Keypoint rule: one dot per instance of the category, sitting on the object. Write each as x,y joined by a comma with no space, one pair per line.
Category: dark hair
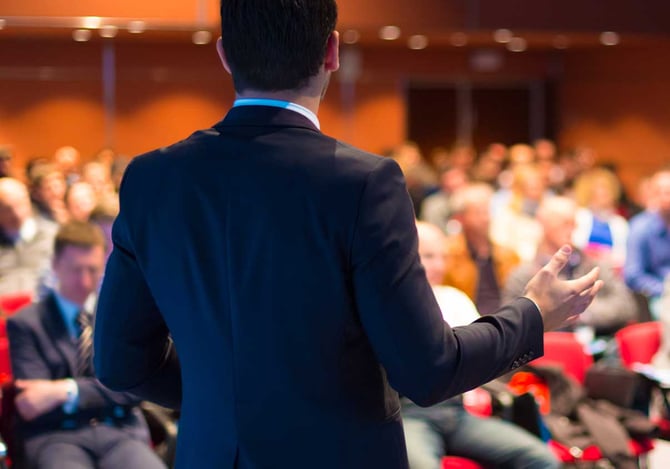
79,234
274,45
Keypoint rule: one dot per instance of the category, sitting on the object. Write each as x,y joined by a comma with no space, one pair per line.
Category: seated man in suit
65,416
447,428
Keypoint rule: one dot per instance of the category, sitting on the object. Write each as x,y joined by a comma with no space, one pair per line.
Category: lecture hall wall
613,99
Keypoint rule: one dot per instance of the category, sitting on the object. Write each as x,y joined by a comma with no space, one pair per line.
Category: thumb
558,260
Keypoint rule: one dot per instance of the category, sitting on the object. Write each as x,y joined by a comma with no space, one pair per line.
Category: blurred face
453,180
558,227
662,193
53,187
432,252
98,177
15,209
81,201
601,196
476,218
79,270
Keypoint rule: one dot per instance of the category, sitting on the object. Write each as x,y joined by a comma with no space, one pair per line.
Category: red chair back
455,462
638,342
10,304
562,349
5,364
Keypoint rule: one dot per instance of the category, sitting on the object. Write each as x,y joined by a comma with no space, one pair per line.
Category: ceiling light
201,37
458,39
417,42
91,22
517,44
609,38
389,33
561,42
108,31
502,36
81,35
351,36
136,26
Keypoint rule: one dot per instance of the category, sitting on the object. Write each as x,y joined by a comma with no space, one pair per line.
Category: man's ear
222,55
332,60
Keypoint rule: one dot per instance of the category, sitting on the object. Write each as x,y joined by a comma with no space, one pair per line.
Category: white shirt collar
281,104
28,230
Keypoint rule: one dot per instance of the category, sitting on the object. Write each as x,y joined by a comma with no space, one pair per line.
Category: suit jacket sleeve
132,348
424,358
28,363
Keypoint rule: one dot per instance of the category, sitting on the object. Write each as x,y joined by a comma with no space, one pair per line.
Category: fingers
585,282
20,384
558,260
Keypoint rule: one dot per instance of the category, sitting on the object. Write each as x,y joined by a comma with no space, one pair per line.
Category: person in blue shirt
648,257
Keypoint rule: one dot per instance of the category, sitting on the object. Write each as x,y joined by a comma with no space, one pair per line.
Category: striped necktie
85,344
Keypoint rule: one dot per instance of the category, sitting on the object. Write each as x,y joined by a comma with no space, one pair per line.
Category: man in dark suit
282,266
66,417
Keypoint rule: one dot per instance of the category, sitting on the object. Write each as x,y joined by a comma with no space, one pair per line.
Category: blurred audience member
490,164
514,225
436,208
613,307
601,233
5,161
26,242
545,156
104,215
105,156
47,191
475,265
447,428
80,200
462,156
118,168
99,177
420,177
67,419
648,255
67,160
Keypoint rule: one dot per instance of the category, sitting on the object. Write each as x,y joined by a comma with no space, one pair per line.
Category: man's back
280,286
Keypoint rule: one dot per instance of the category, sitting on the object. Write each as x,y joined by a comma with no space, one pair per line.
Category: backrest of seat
638,342
562,349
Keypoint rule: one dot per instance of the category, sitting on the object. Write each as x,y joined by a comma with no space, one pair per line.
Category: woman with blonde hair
601,232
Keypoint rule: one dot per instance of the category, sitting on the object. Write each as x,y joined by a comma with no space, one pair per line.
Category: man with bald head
613,306
26,243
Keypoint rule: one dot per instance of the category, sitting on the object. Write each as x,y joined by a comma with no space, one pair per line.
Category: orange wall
612,99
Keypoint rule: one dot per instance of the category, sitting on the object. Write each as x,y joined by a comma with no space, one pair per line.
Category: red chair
562,349
638,342
10,304
5,364
455,462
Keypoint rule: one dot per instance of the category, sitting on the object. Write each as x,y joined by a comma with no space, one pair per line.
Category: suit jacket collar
52,319
264,116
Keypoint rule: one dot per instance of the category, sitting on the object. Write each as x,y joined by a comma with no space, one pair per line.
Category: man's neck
309,102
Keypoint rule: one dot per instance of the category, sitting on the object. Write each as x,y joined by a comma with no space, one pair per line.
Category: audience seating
563,349
10,304
638,342
455,462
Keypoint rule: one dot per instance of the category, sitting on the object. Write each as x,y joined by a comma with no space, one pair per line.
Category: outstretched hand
560,300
